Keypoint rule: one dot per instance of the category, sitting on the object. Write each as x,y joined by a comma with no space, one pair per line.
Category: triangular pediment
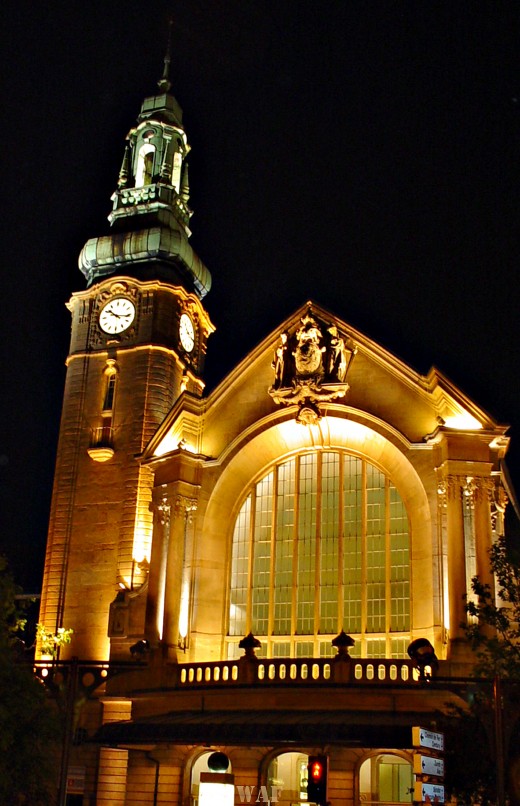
376,383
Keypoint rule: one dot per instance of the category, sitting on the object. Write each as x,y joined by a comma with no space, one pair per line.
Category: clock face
117,315
186,332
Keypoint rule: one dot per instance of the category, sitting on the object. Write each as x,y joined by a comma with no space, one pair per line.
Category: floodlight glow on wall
216,789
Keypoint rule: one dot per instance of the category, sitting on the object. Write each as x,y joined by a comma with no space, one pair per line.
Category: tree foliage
495,634
51,642
29,721
470,763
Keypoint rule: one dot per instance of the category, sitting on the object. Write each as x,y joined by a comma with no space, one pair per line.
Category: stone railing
247,670
296,671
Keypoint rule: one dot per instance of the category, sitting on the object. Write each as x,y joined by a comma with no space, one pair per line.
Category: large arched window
321,543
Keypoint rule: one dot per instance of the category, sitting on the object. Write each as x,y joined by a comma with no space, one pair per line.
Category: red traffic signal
317,779
316,770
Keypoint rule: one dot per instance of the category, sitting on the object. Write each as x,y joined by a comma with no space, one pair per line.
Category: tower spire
164,83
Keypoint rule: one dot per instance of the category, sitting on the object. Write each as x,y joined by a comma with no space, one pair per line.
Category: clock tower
138,342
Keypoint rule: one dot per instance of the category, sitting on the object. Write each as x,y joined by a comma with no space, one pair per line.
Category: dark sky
362,154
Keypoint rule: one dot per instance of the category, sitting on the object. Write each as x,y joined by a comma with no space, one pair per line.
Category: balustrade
255,671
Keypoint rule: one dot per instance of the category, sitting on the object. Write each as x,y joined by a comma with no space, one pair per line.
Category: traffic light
317,780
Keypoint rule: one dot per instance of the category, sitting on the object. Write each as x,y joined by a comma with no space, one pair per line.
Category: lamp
216,789
424,657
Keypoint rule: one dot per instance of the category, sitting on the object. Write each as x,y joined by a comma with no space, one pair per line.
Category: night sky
362,154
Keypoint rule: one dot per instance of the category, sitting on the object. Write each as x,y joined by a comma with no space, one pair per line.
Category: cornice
145,286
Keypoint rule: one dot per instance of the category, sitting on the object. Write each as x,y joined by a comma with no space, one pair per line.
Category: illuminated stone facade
322,486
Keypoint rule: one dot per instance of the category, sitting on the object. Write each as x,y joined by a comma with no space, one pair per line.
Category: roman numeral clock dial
116,315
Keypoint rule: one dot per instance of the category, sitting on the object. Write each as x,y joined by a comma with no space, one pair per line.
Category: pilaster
464,492
158,567
113,763
183,508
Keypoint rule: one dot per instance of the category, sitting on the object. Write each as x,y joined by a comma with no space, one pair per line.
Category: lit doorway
385,779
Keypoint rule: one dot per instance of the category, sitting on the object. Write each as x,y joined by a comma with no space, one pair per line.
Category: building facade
245,571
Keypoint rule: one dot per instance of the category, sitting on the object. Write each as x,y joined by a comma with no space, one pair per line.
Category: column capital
463,487
184,506
163,509
499,500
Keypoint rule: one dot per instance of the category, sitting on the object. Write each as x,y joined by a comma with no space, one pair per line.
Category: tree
494,636
30,730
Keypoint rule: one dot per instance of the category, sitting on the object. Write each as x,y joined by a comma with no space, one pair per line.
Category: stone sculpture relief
310,367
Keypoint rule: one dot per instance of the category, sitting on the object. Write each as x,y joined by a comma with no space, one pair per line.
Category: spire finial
164,83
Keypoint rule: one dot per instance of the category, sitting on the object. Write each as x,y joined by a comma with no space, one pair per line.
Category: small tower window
176,173
145,160
103,435
108,403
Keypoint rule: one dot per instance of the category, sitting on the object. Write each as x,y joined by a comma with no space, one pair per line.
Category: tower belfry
138,343
150,214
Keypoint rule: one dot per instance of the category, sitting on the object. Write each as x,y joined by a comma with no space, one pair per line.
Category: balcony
263,673
263,701
101,447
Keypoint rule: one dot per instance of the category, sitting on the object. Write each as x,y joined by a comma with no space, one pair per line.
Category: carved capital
468,489
163,512
184,507
442,492
499,501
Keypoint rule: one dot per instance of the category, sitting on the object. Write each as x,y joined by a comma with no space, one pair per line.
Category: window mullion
341,530
272,558
251,561
317,574
294,597
364,580
388,570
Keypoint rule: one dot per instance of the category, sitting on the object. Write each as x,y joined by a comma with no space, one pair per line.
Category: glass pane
306,545
329,545
262,555
376,647
399,564
281,650
399,647
327,650
239,571
376,551
352,519
283,575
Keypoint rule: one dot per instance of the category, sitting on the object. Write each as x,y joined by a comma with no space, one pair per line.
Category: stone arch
250,458
374,754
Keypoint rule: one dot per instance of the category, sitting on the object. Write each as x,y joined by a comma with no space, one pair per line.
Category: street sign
428,793
76,780
428,765
427,738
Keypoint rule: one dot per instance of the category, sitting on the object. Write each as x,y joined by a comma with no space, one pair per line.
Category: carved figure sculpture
338,356
308,353
310,368
278,363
